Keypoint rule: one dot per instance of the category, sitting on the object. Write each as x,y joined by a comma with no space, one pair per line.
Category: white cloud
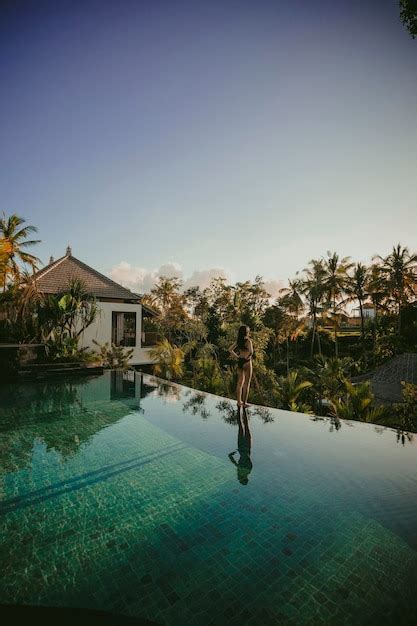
170,270
273,287
203,278
141,279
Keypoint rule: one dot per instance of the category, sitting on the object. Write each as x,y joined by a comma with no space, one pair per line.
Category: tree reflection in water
264,413
335,422
403,436
227,409
62,414
196,405
59,417
166,390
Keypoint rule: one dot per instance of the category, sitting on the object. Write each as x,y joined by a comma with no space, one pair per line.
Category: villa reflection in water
127,485
64,414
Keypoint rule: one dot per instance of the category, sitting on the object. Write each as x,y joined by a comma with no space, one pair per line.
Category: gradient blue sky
249,136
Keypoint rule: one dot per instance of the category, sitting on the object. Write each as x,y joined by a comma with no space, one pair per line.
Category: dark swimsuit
242,360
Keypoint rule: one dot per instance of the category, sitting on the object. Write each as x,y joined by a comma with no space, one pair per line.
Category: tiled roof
56,276
386,379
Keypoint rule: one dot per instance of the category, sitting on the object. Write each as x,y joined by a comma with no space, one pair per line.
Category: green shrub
114,357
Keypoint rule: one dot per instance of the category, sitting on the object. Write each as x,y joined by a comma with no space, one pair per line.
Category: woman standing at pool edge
242,350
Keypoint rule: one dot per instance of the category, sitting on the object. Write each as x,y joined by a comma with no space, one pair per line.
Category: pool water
126,493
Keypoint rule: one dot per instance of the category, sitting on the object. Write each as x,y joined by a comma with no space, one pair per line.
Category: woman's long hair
241,337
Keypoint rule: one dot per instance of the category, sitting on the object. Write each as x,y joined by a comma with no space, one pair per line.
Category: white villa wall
100,329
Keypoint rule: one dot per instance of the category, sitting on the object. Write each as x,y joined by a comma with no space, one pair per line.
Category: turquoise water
128,494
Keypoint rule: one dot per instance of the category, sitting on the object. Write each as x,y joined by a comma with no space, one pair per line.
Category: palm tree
328,377
169,360
165,292
292,302
357,404
13,243
4,255
356,289
377,291
290,389
312,287
23,307
291,298
334,285
399,271
275,318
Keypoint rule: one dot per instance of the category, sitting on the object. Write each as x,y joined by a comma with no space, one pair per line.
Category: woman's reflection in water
244,443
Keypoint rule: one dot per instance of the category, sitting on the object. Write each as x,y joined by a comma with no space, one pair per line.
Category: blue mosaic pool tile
139,522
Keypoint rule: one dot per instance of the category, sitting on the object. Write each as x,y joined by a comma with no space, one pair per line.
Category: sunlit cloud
273,287
203,278
141,279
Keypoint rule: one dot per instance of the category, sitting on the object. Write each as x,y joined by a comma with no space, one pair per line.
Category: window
123,329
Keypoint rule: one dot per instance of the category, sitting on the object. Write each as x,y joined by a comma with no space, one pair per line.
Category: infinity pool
132,495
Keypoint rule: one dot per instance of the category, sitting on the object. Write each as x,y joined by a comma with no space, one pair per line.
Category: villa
368,310
121,312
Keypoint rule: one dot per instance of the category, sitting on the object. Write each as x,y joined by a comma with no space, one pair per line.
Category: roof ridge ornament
69,251
51,260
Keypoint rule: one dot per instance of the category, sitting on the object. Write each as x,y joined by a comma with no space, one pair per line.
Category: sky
197,139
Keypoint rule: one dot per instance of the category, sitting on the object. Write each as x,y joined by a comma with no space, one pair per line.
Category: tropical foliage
27,316
113,357
169,360
356,403
406,411
335,319
62,318
307,344
13,244
408,15
290,391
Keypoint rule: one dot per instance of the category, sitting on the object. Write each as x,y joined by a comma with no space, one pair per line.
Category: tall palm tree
312,287
291,302
291,298
4,269
377,292
13,237
334,285
399,271
23,312
165,292
356,289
